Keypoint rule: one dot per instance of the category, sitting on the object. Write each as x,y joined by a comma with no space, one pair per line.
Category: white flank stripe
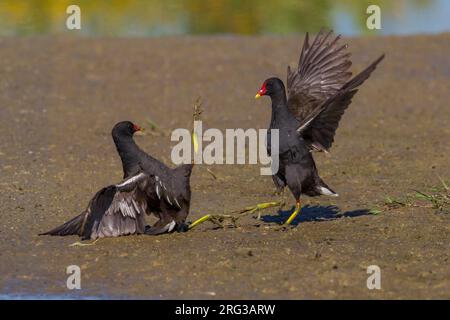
131,180
157,192
304,126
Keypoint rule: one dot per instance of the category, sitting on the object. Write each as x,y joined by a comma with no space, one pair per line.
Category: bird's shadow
313,213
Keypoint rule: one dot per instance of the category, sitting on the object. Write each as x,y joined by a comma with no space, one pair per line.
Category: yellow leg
298,207
81,244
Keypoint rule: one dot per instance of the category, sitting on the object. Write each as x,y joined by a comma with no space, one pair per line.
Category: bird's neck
129,154
279,98
279,107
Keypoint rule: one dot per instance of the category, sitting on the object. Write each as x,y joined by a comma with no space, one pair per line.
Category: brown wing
118,210
322,71
319,127
114,211
127,205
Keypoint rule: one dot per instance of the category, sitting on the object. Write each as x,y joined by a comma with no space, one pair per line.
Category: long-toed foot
259,207
233,216
281,195
278,192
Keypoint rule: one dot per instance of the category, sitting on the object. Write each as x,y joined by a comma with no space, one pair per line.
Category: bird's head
125,129
271,87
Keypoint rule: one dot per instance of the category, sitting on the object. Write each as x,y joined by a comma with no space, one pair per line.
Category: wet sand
60,97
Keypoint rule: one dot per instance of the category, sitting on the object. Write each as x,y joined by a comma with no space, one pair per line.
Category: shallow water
176,17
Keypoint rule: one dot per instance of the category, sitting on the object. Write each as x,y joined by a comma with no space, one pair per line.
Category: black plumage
318,92
149,187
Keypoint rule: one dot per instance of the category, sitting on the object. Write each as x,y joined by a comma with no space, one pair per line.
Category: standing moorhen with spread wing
149,186
318,93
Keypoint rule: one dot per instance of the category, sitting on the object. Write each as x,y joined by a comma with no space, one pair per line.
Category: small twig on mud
436,198
197,109
212,174
375,211
393,203
153,129
446,187
439,200
196,117
153,126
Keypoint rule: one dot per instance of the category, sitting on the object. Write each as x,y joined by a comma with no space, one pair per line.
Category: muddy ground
60,97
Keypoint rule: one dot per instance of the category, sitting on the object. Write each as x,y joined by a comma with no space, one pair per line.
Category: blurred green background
246,17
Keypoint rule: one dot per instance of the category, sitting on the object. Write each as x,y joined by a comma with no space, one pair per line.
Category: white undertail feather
327,192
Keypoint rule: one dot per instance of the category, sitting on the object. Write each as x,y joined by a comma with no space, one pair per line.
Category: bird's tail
184,171
324,189
71,227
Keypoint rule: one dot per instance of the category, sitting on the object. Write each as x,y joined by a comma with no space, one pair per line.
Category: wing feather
118,209
320,89
319,127
166,194
322,70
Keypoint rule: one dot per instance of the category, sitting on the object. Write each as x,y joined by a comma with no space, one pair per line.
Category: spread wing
125,204
323,69
114,211
319,127
319,90
119,209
